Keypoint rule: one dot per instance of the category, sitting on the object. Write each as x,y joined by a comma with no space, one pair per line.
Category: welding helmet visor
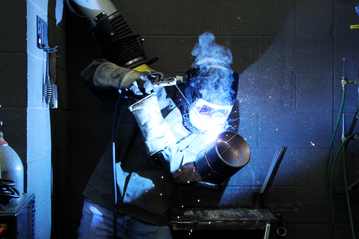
205,115
205,107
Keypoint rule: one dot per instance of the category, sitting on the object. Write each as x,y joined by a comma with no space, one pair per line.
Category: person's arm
104,74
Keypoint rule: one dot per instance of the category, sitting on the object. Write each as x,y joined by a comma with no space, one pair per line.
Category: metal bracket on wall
41,29
48,88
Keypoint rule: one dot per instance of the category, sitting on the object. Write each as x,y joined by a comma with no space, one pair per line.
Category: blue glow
209,117
215,77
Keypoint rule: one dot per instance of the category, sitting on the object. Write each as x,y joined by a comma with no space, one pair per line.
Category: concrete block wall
25,115
289,58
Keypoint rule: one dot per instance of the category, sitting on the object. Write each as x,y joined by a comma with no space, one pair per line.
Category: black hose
113,139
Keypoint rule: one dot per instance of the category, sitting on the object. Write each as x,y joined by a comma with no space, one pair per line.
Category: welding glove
147,86
104,74
159,139
154,128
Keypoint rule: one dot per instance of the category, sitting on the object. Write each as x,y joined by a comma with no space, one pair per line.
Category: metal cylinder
11,165
222,158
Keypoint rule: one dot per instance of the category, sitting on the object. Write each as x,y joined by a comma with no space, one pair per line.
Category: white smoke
215,79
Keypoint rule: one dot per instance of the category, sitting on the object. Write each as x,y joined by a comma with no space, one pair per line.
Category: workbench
223,219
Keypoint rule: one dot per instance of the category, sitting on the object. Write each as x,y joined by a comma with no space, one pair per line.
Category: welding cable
347,193
331,182
114,122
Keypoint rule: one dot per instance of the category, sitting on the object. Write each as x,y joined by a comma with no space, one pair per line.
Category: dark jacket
146,185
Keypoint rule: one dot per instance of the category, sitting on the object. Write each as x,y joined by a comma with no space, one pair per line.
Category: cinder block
255,172
237,197
351,168
39,179
345,231
294,129
346,47
345,15
308,231
350,121
90,129
13,26
341,212
14,129
310,167
265,91
272,51
256,18
41,147
134,13
13,80
168,50
61,172
36,82
245,51
184,18
43,219
248,127
59,134
307,88
313,54
300,204
318,15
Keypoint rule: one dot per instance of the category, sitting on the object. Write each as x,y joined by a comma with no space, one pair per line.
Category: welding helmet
203,105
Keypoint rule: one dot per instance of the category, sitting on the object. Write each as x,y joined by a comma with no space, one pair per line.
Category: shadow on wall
268,52
260,36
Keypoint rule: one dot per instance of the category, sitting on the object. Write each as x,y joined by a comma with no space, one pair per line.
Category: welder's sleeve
160,140
104,74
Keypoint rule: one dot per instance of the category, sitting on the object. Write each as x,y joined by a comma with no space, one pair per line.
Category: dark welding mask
204,106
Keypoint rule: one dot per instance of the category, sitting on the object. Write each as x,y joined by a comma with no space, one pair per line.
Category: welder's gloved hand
147,86
104,74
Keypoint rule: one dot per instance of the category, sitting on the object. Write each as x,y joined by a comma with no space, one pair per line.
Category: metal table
223,219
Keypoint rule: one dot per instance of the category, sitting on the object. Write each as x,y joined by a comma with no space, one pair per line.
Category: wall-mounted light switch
42,40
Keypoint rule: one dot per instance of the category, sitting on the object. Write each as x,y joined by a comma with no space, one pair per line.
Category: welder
158,131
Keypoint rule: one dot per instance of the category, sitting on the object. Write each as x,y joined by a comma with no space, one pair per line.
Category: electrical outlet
41,28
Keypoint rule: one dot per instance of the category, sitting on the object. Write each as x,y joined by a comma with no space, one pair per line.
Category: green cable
328,158
347,193
332,186
334,132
